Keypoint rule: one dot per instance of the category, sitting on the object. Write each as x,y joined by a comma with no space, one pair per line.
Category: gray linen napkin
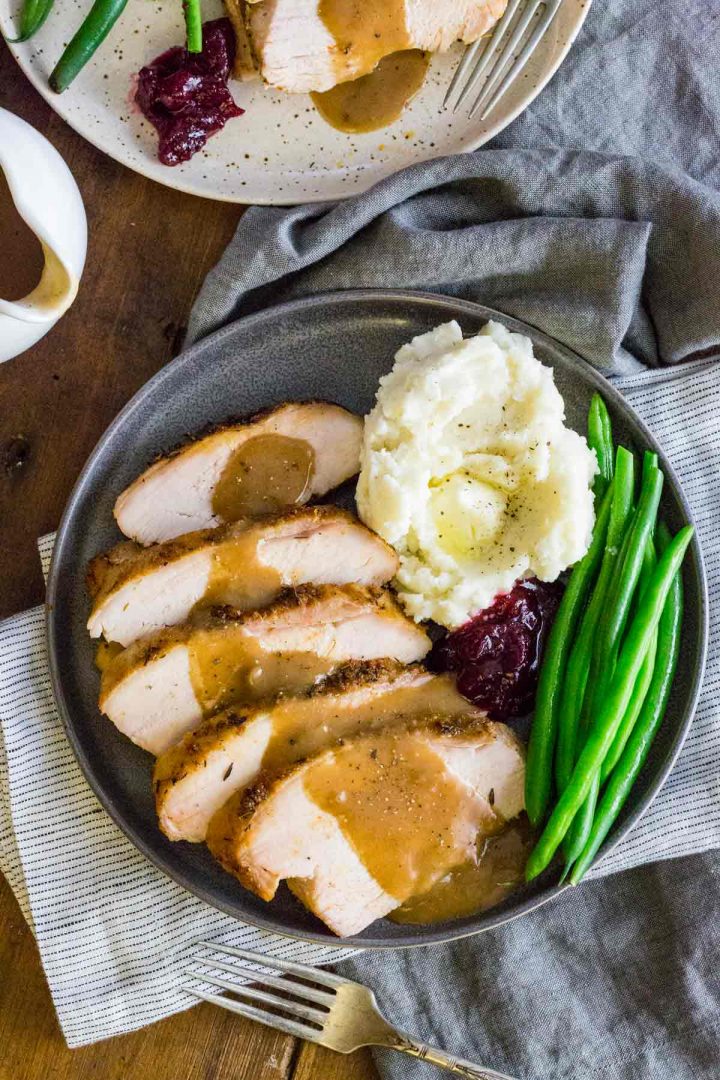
595,217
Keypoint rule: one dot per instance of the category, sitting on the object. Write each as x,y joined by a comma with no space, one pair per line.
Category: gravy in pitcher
21,254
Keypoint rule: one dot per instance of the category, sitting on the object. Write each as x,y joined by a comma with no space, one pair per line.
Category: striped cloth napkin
115,934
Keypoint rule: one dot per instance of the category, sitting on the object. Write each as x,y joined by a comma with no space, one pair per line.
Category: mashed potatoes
469,472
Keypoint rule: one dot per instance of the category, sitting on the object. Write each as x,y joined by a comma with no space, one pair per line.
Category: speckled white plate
280,151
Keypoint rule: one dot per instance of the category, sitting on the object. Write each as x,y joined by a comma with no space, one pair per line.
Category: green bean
193,25
571,695
620,515
578,726
623,487
643,683
614,704
579,830
538,770
648,565
600,441
632,713
578,665
648,723
611,625
97,25
650,461
615,614
33,15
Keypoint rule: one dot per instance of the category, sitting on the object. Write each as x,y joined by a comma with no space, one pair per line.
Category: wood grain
149,250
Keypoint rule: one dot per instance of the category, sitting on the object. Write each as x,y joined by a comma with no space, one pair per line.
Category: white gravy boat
47,199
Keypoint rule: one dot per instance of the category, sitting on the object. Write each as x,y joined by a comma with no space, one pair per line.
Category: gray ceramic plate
334,347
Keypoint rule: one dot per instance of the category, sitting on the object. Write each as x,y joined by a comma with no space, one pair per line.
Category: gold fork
316,1005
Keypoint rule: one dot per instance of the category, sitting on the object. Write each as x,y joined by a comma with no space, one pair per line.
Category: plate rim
363,297
53,100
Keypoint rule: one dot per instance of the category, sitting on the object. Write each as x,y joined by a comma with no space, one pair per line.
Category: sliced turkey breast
227,751
139,590
359,829
162,685
306,45
279,458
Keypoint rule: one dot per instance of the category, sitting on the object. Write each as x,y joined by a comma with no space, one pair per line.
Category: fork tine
518,32
318,975
280,1023
306,1012
489,52
512,73
465,61
308,993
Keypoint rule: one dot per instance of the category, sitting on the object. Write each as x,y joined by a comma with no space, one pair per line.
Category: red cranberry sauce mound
496,655
185,96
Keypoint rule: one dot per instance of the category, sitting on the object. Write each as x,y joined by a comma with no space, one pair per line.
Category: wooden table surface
149,250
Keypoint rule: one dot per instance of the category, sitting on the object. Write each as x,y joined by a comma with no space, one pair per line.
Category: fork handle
407,1044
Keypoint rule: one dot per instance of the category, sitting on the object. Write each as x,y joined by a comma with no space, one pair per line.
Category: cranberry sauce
496,655
185,96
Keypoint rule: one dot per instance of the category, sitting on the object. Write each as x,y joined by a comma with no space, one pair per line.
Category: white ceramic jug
47,199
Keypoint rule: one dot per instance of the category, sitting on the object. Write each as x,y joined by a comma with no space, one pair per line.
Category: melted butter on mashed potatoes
470,473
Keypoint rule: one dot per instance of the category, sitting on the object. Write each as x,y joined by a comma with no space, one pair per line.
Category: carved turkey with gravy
161,686
359,829
137,591
312,45
227,751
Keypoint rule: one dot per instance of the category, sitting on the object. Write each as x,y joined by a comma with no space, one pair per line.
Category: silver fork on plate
315,1005
500,56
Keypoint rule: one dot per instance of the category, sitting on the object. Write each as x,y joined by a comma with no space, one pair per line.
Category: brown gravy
21,254
407,818
238,577
302,727
364,31
476,885
375,100
227,666
372,40
266,474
